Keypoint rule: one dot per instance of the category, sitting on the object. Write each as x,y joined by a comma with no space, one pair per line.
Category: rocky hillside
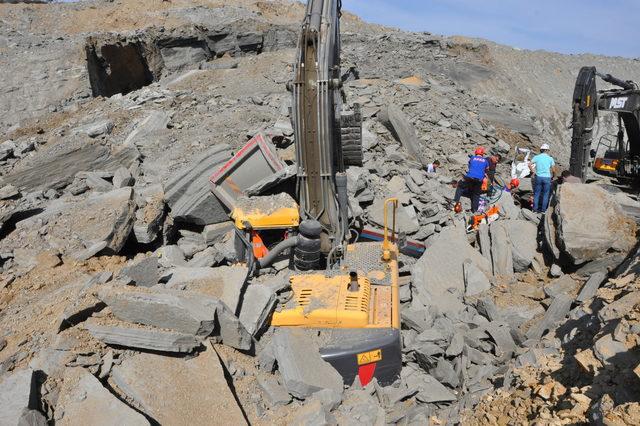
119,281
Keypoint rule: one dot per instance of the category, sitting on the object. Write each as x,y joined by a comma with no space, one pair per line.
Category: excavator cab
622,160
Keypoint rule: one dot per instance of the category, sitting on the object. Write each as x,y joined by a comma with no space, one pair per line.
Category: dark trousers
472,188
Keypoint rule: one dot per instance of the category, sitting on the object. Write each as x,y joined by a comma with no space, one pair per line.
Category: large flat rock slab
84,401
175,390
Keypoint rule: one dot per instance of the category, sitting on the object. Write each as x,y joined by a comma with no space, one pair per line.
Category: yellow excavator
345,291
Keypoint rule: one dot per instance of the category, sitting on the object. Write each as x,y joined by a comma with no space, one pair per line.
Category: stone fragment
404,222
273,392
85,303
148,128
97,183
257,304
171,256
620,307
162,341
303,370
591,223
18,395
555,271
445,373
416,318
438,276
189,314
587,361
195,389
501,335
122,177
475,280
225,282
90,251
215,233
523,238
83,400
507,206
456,346
231,330
606,348
429,389
143,273
484,241
97,128
8,191
188,193
562,285
501,250
557,311
398,123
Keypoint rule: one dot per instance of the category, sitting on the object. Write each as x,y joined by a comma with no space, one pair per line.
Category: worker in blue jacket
472,182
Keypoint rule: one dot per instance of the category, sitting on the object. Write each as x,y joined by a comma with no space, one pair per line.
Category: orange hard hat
515,182
479,150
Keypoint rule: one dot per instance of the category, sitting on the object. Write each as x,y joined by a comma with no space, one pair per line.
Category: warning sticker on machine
369,357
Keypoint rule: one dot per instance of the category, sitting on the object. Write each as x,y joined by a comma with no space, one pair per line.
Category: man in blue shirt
543,165
472,182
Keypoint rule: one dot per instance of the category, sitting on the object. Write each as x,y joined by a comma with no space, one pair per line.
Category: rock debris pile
122,299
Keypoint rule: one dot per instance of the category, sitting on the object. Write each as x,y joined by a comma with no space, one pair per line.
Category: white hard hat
545,146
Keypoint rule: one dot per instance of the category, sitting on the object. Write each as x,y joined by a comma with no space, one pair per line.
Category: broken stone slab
404,222
84,400
303,370
257,305
143,273
501,249
122,177
189,314
562,285
416,317
607,263
224,282
445,373
8,191
215,233
550,233
557,311
195,389
56,168
484,241
97,128
18,396
148,128
487,307
456,346
273,392
591,287
430,390
591,223
507,206
172,256
620,307
230,329
398,123
90,251
154,340
523,238
438,276
97,183
188,194
501,335
150,214
475,281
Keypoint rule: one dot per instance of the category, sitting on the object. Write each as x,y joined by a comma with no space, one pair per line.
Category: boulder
398,123
523,238
189,314
439,276
501,249
188,193
139,338
590,222
83,400
303,370
171,389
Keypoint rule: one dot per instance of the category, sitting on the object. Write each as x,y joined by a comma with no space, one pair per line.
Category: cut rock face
590,223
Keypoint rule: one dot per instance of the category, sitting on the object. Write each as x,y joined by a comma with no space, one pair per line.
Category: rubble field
122,300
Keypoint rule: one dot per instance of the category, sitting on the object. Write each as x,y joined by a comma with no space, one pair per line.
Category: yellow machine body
259,216
321,301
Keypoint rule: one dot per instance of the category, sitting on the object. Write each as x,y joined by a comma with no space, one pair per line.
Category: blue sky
607,27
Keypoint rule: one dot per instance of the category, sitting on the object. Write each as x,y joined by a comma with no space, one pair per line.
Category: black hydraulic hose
251,264
277,250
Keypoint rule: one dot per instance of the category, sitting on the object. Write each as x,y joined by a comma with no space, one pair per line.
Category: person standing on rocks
543,165
472,181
